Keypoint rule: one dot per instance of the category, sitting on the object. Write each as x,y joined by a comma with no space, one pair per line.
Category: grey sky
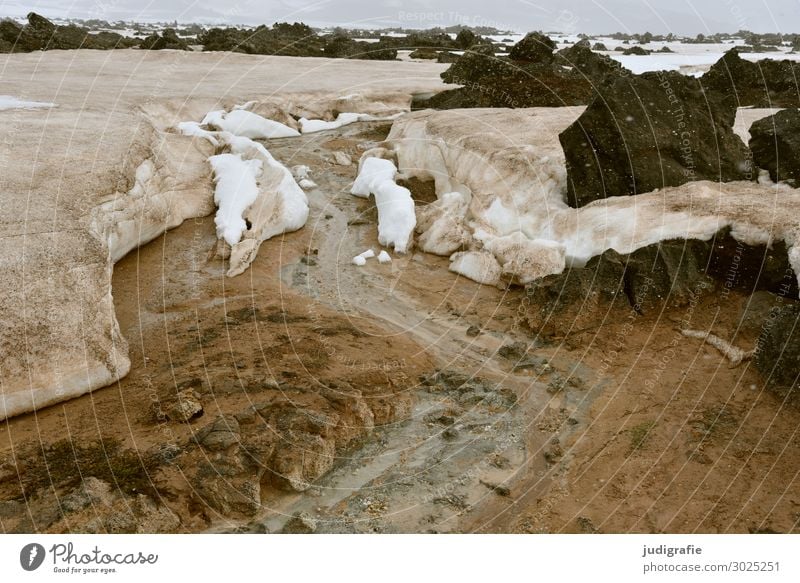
678,16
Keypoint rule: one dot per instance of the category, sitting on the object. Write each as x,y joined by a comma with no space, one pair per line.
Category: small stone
342,159
300,523
187,408
498,489
219,435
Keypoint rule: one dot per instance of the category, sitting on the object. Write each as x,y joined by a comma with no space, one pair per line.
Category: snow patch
247,124
384,257
396,217
194,129
236,189
441,225
10,102
479,266
309,126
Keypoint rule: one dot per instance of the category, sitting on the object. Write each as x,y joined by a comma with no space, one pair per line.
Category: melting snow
396,218
9,102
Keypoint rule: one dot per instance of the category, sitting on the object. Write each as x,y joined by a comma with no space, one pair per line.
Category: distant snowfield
689,59
9,102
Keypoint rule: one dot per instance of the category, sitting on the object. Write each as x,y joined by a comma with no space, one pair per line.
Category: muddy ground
311,395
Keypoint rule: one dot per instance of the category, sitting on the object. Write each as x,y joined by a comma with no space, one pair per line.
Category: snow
441,224
507,168
308,126
359,260
479,266
192,128
384,257
396,217
241,122
688,58
368,254
300,171
257,196
10,102
236,190
307,184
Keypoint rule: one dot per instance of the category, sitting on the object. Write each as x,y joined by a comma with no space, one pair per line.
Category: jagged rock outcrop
775,143
648,132
531,76
39,34
584,60
535,47
654,278
766,83
168,39
777,353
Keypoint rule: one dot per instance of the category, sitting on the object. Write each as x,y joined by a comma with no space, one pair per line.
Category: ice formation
10,102
257,197
384,257
509,220
241,122
194,129
396,217
236,189
308,126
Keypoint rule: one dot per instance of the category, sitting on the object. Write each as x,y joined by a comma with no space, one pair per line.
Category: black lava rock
775,143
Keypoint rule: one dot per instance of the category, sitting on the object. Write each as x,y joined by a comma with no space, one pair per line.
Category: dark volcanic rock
477,63
775,143
751,268
534,48
766,83
167,40
636,51
491,81
447,57
593,65
647,132
667,274
424,54
10,32
532,76
41,34
778,348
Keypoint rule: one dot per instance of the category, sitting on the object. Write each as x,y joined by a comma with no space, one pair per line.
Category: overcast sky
590,16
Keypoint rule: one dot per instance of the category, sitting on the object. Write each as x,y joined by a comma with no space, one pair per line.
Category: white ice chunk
359,260
308,126
236,189
441,225
247,124
384,257
396,217
479,266
192,128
